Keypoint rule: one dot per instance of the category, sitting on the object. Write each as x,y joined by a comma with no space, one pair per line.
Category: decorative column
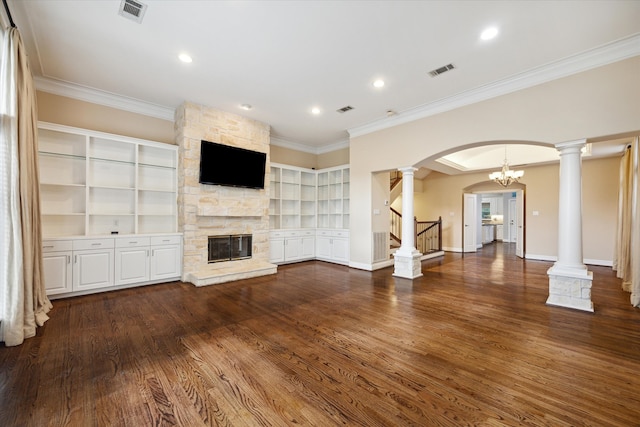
407,258
569,279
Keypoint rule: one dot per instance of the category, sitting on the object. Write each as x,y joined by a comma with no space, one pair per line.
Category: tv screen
231,166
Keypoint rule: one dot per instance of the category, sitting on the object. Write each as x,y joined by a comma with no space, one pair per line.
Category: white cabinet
499,232
291,245
92,264
56,262
303,201
488,233
86,265
93,183
166,257
132,260
333,246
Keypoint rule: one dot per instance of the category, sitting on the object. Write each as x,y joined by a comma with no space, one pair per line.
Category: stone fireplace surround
210,210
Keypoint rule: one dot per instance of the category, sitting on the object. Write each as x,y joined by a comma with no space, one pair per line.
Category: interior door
469,209
513,229
520,226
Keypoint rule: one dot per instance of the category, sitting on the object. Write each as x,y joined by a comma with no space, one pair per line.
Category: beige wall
302,159
72,112
442,196
291,157
595,103
333,158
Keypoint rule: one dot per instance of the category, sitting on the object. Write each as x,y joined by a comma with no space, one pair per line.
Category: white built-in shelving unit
93,183
108,210
309,214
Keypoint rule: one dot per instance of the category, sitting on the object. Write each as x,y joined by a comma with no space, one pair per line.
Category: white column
569,279
407,258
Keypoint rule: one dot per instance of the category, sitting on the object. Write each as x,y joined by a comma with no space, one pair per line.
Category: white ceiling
284,57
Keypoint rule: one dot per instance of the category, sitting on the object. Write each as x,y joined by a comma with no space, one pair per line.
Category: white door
520,223
165,262
292,248
132,265
57,272
513,229
323,247
340,249
92,269
469,222
276,250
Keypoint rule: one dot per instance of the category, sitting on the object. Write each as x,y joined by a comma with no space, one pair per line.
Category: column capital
578,143
407,169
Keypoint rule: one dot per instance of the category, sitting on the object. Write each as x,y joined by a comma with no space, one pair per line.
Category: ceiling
286,57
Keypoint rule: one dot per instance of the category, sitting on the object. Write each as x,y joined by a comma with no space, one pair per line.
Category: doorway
494,216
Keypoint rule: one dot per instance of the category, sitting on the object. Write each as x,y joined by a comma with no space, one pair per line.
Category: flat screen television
231,166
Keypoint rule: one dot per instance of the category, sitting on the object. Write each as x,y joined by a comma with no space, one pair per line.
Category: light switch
536,213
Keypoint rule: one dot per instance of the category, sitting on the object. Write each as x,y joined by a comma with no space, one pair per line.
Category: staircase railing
396,226
428,234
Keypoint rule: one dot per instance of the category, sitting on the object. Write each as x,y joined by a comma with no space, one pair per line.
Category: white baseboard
452,249
553,258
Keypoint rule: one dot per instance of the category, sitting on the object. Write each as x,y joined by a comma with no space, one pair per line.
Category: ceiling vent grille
444,69
344,109
133,10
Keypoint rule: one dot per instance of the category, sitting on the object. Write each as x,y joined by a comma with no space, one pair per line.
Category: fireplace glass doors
229,248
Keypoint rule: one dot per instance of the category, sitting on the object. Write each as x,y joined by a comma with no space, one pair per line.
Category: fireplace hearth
229,247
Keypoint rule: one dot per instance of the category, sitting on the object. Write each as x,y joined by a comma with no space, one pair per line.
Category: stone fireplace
206,211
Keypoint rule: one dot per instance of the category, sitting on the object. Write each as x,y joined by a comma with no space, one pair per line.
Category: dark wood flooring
470,343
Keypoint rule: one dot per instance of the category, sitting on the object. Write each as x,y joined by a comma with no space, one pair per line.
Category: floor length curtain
23,301
626,260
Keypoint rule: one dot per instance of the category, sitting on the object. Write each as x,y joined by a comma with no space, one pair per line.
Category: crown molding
308,149
108,99
603,55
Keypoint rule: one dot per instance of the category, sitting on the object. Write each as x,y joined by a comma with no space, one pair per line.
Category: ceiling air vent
344,109
133,10
444,69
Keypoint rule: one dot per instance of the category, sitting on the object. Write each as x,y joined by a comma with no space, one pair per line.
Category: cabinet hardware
68,259
47,247
75,259
96,244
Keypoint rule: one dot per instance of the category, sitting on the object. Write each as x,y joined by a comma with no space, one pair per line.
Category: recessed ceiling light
378,83
315,111
185,58
489,33
246,107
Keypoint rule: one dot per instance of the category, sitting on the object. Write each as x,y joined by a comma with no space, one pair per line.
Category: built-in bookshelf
292,202
93,183
333,198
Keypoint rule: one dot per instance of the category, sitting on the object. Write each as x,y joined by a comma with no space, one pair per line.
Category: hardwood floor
470,343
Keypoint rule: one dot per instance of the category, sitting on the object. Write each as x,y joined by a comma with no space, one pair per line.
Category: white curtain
23,301
626,260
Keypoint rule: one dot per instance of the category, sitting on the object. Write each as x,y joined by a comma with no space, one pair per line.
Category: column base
407,265
570,288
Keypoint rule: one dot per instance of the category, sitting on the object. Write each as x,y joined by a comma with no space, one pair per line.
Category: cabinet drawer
81,245
165,240
132,242
56,245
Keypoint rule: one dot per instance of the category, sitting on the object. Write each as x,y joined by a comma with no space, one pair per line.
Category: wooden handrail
428,234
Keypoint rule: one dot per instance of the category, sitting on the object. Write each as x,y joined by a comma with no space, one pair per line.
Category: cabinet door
308,247
57,272
276,250
323,247
292,248
340,250
132,265
92,269
165,262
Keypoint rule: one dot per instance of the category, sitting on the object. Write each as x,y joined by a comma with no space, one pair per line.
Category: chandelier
506,176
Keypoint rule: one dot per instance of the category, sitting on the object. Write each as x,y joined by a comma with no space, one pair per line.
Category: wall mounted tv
231,166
